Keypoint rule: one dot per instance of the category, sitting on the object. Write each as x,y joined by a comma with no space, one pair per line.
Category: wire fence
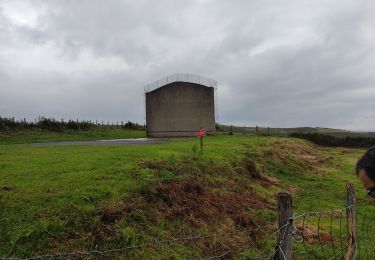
335,233
181,77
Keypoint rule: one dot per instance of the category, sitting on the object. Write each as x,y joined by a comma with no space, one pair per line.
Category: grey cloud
285,63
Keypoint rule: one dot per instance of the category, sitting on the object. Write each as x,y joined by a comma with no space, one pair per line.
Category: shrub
134,126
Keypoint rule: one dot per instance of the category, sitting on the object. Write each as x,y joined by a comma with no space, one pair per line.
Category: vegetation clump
333,141
51,124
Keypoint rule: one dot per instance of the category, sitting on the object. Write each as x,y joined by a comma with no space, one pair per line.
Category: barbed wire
331,247
218,256
331,233
117,250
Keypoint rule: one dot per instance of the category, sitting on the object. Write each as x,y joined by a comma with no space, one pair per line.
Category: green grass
59,195
34,136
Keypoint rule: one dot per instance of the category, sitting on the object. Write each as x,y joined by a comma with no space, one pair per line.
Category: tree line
51,124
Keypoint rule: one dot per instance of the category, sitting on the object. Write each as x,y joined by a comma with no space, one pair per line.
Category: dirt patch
194,197
50,190
109,214
196,208
209,193
196,205
311,234
7,187
251,168
154,165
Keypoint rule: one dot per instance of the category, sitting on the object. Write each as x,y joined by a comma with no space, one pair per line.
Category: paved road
118,142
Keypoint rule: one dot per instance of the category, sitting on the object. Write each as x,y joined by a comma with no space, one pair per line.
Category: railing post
284,235
350,215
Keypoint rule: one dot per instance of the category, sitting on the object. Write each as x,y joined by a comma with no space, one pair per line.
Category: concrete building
179,105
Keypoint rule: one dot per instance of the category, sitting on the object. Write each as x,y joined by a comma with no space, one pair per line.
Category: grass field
97,133
82,198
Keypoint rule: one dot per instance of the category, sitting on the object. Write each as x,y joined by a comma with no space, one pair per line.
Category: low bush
134,126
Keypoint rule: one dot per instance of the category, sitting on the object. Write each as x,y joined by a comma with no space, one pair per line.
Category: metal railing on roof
181,77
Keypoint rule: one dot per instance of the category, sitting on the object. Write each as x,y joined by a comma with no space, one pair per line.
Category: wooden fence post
284,236
350,214
268,131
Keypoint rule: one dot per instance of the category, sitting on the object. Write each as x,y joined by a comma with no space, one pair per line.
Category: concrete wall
180,109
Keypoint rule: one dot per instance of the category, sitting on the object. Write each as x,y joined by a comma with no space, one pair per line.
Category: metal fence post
284,236
350,214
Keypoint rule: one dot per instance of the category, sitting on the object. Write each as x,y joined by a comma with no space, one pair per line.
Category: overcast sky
278,63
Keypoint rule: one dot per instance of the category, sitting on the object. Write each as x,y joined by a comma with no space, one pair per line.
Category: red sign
201,133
